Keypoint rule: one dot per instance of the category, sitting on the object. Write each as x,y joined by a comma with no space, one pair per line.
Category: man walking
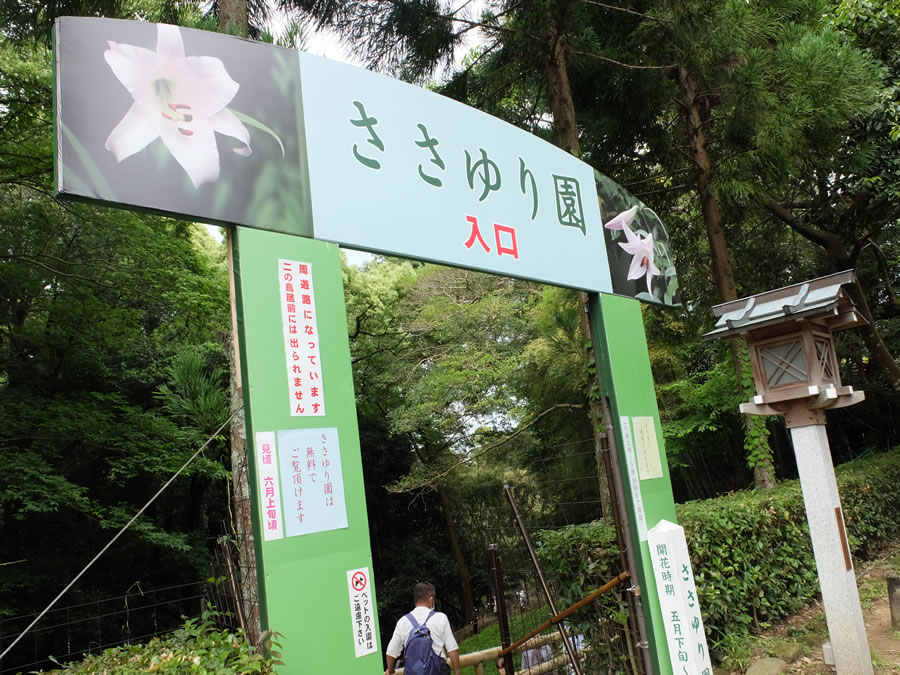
442,641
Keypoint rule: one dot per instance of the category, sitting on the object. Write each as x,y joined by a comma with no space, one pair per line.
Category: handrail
566,612
493,653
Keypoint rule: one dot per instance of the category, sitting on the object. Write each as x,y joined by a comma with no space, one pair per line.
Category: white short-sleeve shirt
442,640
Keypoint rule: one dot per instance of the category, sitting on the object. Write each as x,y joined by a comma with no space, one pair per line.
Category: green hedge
751,550
751,553
197,647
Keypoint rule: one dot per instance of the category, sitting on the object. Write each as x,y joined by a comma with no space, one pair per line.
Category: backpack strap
412,620
426,618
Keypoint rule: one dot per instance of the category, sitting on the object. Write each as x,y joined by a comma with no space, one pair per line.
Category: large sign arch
304,153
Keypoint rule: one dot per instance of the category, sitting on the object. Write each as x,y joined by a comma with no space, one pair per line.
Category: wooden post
894,598
502,616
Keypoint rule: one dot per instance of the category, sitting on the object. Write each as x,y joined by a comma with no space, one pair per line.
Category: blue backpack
418,656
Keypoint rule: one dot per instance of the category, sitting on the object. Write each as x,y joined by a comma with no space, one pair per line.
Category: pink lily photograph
637,246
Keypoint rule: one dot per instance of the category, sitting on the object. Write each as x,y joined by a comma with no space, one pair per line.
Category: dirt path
808,628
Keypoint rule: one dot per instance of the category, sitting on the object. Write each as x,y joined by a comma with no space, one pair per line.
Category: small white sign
649,465
634,481
301,339
269,492
678,600
313,481
362,611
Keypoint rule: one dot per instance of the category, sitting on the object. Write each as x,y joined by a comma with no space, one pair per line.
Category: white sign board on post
301,339
313,481
269,492
362,618
678,600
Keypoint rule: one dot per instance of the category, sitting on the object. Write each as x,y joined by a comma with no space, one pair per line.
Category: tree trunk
241,505
233,17
872,337
723,271
461,567
563,109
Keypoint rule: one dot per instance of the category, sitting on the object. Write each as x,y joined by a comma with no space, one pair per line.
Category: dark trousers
445,668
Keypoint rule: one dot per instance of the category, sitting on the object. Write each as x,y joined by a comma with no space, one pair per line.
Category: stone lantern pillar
789,336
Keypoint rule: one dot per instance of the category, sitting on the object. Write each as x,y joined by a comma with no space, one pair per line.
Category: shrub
577,560
752,553
197,647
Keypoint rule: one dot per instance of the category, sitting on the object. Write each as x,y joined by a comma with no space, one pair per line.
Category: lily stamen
186,132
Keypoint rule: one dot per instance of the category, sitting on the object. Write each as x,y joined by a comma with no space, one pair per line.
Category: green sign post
621,347
217,129
312,535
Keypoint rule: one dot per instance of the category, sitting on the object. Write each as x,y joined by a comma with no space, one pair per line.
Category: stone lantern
788,334
789,338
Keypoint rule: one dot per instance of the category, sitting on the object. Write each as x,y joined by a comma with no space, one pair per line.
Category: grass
488,637
869,591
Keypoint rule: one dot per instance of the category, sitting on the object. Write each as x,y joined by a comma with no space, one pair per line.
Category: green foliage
196,647
489,637
751,550
195,394
95,307
577,560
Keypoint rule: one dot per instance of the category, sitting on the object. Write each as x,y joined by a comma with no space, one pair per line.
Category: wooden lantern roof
821,300
788,335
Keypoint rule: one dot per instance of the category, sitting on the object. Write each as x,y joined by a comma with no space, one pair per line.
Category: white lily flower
641,250
177,98
623,219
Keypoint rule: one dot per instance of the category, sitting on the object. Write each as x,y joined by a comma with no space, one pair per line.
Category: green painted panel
304,586
621,346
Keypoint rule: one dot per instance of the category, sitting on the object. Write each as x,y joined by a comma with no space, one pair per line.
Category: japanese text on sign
269,492
633,480
483,176
362,615
399,171
678,601
649,465
312,479
301,339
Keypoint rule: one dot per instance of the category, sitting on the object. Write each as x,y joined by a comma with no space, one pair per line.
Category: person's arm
394,649
454,660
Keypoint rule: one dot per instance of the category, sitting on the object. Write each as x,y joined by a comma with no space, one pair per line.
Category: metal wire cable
118,534
67,608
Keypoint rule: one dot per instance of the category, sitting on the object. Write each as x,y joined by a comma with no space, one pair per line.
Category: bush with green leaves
751,550
577,560
197,647
751,553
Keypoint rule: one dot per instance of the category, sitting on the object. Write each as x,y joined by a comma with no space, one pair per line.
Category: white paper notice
633,479
313,483
362,617
647,448
269,493
301,338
